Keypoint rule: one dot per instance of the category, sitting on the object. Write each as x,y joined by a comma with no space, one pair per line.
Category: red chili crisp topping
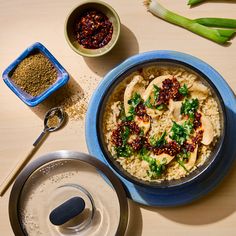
189,146
195,140
137,143
170,90
93,29
198,138
141,112
197,120
116,137
172,148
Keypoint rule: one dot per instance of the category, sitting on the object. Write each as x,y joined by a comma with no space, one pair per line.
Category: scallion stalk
215,35
217,22
229,33
194,2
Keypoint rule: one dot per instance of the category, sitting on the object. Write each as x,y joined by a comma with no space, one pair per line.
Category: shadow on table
219,203
215,206
66,96
126,46
135,224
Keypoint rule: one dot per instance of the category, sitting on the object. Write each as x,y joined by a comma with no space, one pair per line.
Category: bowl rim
187,194
62,78
202,170
134,61
92,2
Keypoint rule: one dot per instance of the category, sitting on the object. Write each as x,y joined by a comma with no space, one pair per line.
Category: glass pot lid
63,193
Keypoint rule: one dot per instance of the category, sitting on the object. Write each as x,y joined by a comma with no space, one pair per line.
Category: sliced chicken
149,93
135,86
163,158
199,91
144,125
192,159
208,130
175,110
158,82
154,113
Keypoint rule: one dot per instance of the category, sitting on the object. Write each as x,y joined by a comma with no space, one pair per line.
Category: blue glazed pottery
202,182
31,101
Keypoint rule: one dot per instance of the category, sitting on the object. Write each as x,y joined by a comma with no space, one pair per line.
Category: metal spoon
55,113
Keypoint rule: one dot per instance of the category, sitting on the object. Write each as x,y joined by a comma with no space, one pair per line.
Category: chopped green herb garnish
181,163
125,135
159,142
132,110
152,141
161,107
141,132
183,90
144,154
156,95
189,106
156,170
188,127
129,118
122,113
123,116
148,103
135,100
124,151
180,133
156,92
183,155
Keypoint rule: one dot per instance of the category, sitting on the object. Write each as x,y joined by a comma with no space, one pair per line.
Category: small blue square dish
62,76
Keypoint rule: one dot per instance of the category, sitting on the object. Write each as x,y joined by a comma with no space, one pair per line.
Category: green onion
181,163
217,22
227,32
148,103
189,106
124,151
161,107
215,35
125,135
183,90
180,133
158,142
133,102
184,155
156,92
194,2
155,169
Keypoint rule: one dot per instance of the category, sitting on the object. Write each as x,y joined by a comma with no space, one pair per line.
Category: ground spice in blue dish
34,74
93,29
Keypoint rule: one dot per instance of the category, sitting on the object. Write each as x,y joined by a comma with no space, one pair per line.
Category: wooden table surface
25,22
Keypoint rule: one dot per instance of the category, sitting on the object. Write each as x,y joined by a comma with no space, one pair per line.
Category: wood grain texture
25,22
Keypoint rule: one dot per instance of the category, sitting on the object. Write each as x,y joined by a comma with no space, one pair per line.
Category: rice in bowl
161,123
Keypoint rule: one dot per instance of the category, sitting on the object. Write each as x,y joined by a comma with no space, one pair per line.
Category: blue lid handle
67,211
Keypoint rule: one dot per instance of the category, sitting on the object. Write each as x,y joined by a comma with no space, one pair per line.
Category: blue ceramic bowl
31,101
186,189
